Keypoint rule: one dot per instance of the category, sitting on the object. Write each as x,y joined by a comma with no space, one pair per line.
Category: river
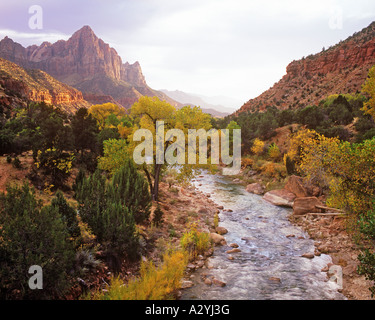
269,265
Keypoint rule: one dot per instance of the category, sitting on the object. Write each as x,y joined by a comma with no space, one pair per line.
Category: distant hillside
18,85
184,98
86,63
342,68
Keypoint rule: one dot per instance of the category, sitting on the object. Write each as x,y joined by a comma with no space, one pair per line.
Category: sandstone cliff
18,85
87,63
342,68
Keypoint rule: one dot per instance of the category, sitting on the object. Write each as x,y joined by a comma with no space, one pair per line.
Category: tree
101,112
149,111
258,146
68,214
109,209
132,191
32,235
84,131
369,88
56,163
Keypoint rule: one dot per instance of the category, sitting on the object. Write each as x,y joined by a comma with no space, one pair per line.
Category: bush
289,165
32,235
17,163
274,152
158,217
132,191
108,209
153,284
195,242
257,147
68,214
367,256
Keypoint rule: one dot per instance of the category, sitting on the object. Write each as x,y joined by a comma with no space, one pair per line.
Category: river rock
255,188
186,284
280,197
208,281
220,207
308,255
221,230
275,279
234,250
295,185
217,239
218,282
191,266
234,245
306,205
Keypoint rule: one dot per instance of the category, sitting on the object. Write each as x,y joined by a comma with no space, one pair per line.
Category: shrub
68,214
246,162
17,163
289,165
32,235
257,147
153,283
367,256
274,152
55,163
195,242
158,217
132,191
111,222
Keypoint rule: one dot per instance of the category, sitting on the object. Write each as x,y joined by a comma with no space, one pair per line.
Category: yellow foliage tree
369,88
257,147
102,111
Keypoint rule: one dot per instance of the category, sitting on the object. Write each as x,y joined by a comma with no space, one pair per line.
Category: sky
231,48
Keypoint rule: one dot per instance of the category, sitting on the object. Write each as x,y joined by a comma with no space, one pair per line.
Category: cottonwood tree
149,112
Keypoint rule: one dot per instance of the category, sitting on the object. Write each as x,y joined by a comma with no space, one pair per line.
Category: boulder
217,239
255,188
186,284
218,282
280,197
221,230
306,205
295,185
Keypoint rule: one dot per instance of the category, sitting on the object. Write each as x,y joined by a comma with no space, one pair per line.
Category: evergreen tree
109,216
132,191
32,235
68,214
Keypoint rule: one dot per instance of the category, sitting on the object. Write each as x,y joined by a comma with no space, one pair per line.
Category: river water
269,265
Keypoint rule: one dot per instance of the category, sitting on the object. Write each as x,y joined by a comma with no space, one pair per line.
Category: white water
260,230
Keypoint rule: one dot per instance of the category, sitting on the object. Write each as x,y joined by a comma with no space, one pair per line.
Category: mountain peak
84,31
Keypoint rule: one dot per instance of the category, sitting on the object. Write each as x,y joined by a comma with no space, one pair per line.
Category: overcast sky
233,48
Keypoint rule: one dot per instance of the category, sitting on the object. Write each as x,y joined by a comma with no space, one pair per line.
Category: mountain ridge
18,85
86,63
341,68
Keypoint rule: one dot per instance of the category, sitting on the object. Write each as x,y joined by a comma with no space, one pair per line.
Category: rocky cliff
18,85
342,68
85,62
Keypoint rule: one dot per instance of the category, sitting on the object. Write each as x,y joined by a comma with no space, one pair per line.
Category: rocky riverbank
329,232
